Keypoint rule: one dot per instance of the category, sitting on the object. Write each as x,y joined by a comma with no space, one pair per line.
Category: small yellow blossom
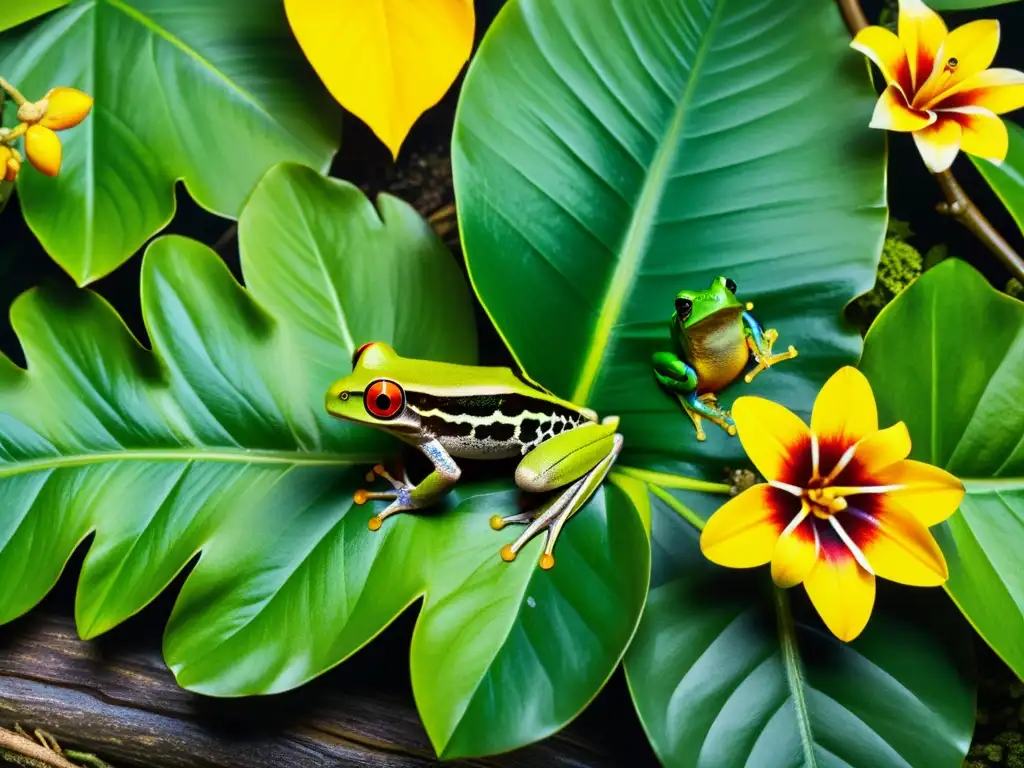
60,109
939,86
65,108
842,504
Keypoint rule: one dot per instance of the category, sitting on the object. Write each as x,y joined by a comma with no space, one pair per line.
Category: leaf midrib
641,223
286,458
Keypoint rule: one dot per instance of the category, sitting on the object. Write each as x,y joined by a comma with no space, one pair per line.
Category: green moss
999,736
900,265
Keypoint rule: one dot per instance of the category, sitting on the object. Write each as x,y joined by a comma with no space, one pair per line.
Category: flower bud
8,164
43,149
65,108
32,111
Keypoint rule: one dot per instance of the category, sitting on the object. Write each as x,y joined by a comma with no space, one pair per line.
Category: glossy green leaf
947,357
643,148
727,671
216,444
504,656
201,444
14,12
211,94
1007,179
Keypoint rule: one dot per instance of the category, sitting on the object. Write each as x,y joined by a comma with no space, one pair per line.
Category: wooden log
117,699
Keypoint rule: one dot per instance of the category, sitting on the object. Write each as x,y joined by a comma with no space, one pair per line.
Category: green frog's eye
683,308
384,399
730,284
359,352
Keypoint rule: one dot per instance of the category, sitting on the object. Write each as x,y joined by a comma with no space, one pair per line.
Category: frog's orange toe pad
375,523
547,561
379,469
360,497
497,523
507,554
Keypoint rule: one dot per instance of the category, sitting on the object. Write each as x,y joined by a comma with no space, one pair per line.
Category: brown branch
22,745
958,204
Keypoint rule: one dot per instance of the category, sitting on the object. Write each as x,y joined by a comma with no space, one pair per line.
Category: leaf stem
958,204
13,92
679,482
684,511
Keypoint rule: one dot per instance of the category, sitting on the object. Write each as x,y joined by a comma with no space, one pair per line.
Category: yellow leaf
385,61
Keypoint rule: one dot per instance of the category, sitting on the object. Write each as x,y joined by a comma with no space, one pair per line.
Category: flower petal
896,544
844,410
984,134
973,47
795,554
881,449
775,439
939,144
743,532
885,49
997,90
922,32
892,113
842,592
66,108
43,149
929,493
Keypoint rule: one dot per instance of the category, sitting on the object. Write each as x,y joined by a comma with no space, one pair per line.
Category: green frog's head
694,306
371,395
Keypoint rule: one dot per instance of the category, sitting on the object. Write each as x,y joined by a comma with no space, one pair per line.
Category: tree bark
124,705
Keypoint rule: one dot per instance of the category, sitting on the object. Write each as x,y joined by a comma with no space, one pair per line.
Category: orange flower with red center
939,87
842,504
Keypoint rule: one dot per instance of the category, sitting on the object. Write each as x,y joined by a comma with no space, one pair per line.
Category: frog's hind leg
553,514
760,343
699,407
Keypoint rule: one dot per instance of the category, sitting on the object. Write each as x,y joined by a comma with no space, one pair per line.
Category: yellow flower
939,86
65,108
842,504
43,149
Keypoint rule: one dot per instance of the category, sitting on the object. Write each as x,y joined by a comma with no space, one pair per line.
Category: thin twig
958,204
13,92
24,746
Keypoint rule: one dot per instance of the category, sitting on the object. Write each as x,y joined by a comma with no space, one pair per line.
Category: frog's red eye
384,399
359,352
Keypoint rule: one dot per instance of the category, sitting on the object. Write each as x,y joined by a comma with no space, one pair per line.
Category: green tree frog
459,411
714,336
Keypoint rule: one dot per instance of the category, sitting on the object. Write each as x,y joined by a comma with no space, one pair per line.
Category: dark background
422,176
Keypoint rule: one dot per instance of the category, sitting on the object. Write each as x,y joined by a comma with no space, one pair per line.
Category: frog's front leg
760,342
577,460
681,380
407,497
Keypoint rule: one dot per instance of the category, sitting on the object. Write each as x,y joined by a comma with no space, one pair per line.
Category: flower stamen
843,463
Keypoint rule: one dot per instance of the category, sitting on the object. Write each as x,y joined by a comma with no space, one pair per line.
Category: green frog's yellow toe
375,523
360,497
497,522
507,553
547,561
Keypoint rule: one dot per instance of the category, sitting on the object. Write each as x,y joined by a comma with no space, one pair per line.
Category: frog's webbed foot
762,352
554,513
705,406
401,498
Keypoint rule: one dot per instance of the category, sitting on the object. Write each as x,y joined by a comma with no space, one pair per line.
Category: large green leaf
725,672
14,12
643,148
947,357
217,443
209,93
1007,178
